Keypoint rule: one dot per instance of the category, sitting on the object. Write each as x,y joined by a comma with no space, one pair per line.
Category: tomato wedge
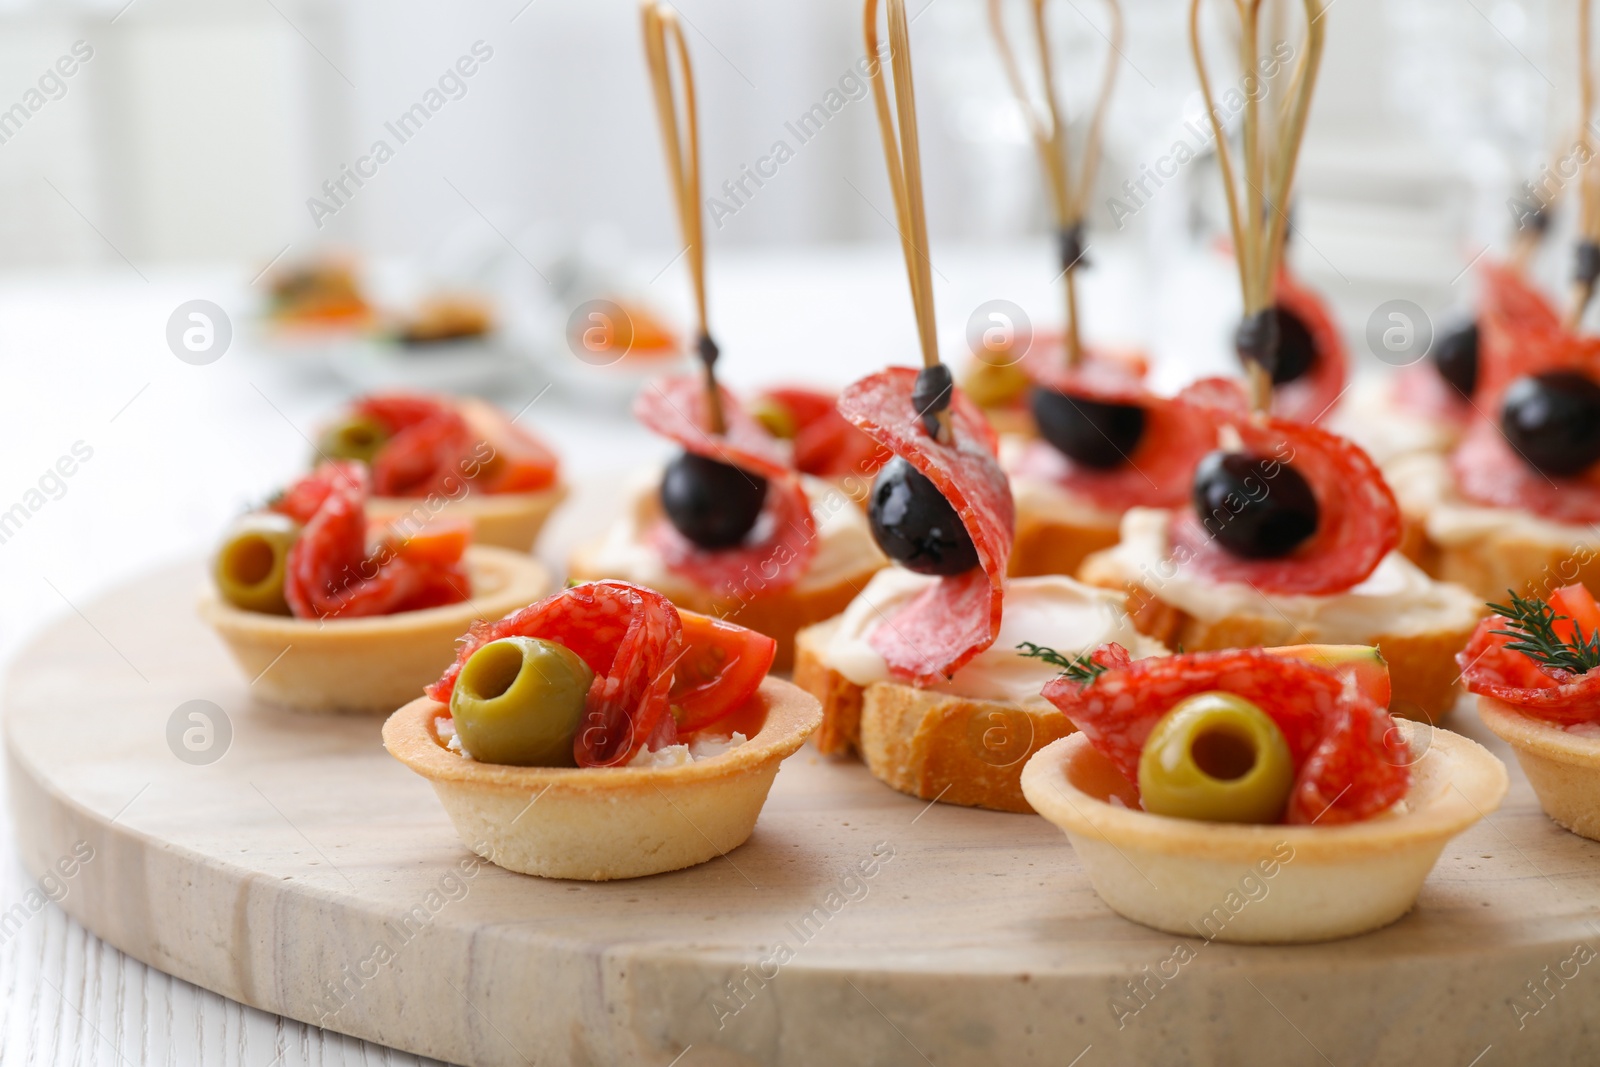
439,542
721,668
1582,613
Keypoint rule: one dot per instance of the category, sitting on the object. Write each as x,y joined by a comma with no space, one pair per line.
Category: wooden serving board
307,873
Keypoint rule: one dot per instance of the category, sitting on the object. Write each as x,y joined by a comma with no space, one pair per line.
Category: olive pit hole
1224,754
490,672
250,560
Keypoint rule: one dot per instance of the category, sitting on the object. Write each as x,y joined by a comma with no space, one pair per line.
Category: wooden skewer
682,146
1069,199
904,159
1258,212
1588,252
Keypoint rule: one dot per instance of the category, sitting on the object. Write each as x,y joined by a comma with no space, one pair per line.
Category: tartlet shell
372,664
499,520
1175,874
1562,767
597,824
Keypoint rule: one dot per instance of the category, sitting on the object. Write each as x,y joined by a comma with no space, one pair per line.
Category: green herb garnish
1080,668
1533,625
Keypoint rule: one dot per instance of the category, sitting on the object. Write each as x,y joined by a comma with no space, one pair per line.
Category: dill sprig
1533,624
1080,668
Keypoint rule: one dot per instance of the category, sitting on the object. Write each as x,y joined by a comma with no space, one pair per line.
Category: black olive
712,504
1455,357
1553,421
915,525
1257,507
1295,351
1094,433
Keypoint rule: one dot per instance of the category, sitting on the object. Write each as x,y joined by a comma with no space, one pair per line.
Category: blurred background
198,130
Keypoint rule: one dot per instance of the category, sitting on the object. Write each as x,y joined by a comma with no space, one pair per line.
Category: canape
1293,539
730,527
1532,666
443,458
324,613
1248,796
319,296
1104,444
1514,505
1292,535
924,674
601,734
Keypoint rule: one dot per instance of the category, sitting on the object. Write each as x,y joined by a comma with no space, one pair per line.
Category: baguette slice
1421,662
927,744
1488,550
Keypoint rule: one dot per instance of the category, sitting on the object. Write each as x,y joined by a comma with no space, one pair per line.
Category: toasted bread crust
1057,546
778,613
1422,667
1493,564
929,745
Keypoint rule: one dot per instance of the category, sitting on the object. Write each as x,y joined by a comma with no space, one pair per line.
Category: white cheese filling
1054,611
1397,598
677,755
1425,486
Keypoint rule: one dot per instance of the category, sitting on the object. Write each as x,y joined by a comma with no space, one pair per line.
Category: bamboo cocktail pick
933,388
1258,193
682,144
1069,192
1587,268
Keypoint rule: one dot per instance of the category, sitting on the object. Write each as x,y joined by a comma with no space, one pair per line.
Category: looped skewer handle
1069,193
1258,210
904,159
682,144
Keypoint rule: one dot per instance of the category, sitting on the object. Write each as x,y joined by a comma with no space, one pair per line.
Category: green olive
777,419
353,437
991,385
519,701
250,567
1219,758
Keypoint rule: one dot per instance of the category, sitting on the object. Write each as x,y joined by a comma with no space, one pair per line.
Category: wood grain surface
306,873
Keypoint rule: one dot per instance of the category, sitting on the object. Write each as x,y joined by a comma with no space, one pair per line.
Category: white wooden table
177,449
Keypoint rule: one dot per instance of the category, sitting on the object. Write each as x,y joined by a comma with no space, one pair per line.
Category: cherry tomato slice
441,541
721,668
1581,611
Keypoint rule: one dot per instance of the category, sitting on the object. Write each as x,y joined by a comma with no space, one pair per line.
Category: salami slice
1341,743
1359,525
1157,473
436,446
330,572
956,618
1421,389
1509,296
1519,333
1490,669
629,636
784,540
825,445
1312,396
1487,471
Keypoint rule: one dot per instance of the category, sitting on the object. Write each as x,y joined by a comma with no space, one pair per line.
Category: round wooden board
307,873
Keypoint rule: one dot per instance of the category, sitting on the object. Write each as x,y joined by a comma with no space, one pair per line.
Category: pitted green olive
519,701
1218,758
353,437
249,568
